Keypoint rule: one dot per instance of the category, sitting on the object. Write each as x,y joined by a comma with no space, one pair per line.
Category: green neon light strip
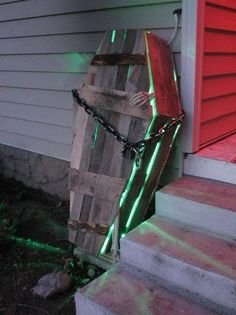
113,36
105,244
95,135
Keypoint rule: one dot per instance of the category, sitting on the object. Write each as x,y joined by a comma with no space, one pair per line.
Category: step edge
205,214
187,287
79,295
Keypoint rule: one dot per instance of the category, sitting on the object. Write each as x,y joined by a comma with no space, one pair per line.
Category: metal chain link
134,147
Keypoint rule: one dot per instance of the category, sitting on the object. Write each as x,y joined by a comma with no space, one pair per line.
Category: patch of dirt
30,220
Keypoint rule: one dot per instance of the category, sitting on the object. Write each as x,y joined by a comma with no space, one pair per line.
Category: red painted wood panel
219,41
217,114
218,64
214,129
218,86
231,4
212,108
220,18
165,88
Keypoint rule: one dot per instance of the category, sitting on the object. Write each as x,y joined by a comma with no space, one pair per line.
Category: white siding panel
30,8
45,50
42,146
51,44
70,63
52,133
41,80
53,116
54,99
150,17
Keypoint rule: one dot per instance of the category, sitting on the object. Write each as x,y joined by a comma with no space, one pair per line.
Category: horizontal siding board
70,63
57,150
214,129
41,80
53,99
51,44
149,17
217,107
30,9
220,41
68,43
54,116
52,133
220,18
219,64
231,4
218,86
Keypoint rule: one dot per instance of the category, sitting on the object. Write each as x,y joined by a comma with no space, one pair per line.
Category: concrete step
200,202
193,263
125,291
208,167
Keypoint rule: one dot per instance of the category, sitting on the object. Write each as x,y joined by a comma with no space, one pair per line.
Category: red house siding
217,76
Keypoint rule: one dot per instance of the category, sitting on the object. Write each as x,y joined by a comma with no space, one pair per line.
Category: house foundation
35,170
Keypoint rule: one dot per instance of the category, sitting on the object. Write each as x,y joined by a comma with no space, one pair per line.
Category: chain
134,148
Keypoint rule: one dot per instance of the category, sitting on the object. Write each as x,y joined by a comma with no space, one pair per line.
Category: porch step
123,290
200,202
209,167
193,263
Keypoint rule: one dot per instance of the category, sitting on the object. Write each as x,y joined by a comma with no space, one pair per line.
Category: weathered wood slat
96,185
113,100
88,227
118,59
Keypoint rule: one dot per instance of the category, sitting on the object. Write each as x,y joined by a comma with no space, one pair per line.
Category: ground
27,216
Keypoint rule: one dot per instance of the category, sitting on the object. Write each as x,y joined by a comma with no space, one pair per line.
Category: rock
51,284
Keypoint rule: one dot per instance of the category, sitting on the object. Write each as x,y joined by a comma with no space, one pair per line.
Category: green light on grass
113,36
36,245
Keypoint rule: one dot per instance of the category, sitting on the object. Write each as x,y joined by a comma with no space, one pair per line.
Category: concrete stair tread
187,245
125,291
202,190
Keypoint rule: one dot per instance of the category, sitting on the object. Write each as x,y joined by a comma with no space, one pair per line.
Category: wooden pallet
99,172
102,182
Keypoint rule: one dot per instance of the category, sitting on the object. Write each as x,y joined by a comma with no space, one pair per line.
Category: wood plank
226,19
118,59
112,100
96,185
88,227
165,88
